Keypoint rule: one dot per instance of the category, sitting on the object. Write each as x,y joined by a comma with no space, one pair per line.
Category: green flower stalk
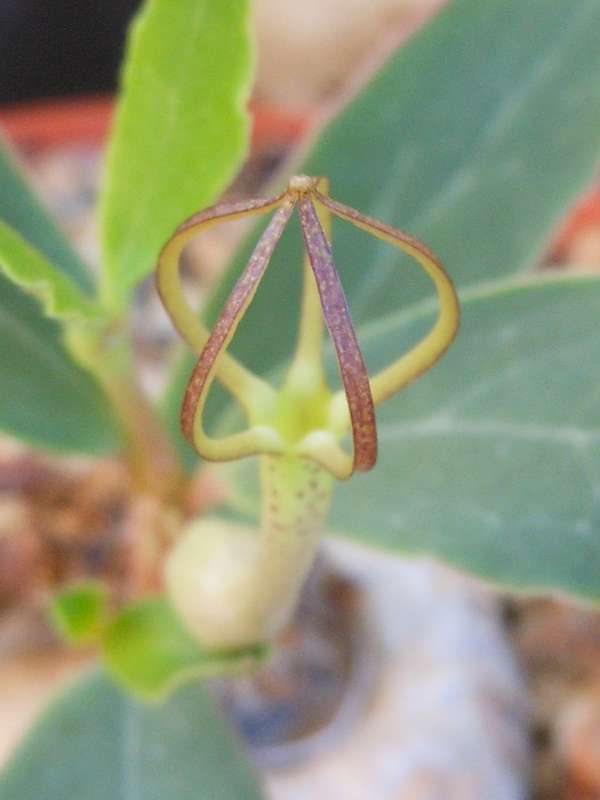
232,585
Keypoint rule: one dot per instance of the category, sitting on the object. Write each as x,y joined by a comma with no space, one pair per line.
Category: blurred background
530,698
62,49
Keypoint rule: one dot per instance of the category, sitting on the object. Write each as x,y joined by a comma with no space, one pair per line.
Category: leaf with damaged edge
28,268
21,209
46,399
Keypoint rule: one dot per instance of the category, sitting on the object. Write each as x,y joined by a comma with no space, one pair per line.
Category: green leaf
46,399
492,461
476,136
150,652
95,743
21,209
181,129
78,612
60,297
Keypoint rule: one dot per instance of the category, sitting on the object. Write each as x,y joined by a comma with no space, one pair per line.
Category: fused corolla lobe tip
301,185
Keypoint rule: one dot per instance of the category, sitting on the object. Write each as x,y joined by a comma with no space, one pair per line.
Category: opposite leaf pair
354,407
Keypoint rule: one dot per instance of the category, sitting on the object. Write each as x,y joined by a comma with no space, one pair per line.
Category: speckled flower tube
235,585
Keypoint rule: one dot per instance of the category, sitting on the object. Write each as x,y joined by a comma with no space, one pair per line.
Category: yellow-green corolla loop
243,384
331,414
424,355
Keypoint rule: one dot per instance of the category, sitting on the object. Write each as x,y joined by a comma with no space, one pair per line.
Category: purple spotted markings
339,323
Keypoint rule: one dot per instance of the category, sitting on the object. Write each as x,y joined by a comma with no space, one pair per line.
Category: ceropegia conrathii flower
231,584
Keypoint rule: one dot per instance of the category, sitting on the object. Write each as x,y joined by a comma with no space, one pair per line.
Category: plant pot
319,679
47,124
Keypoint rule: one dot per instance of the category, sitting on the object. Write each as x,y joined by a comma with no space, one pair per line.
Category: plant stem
152,460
